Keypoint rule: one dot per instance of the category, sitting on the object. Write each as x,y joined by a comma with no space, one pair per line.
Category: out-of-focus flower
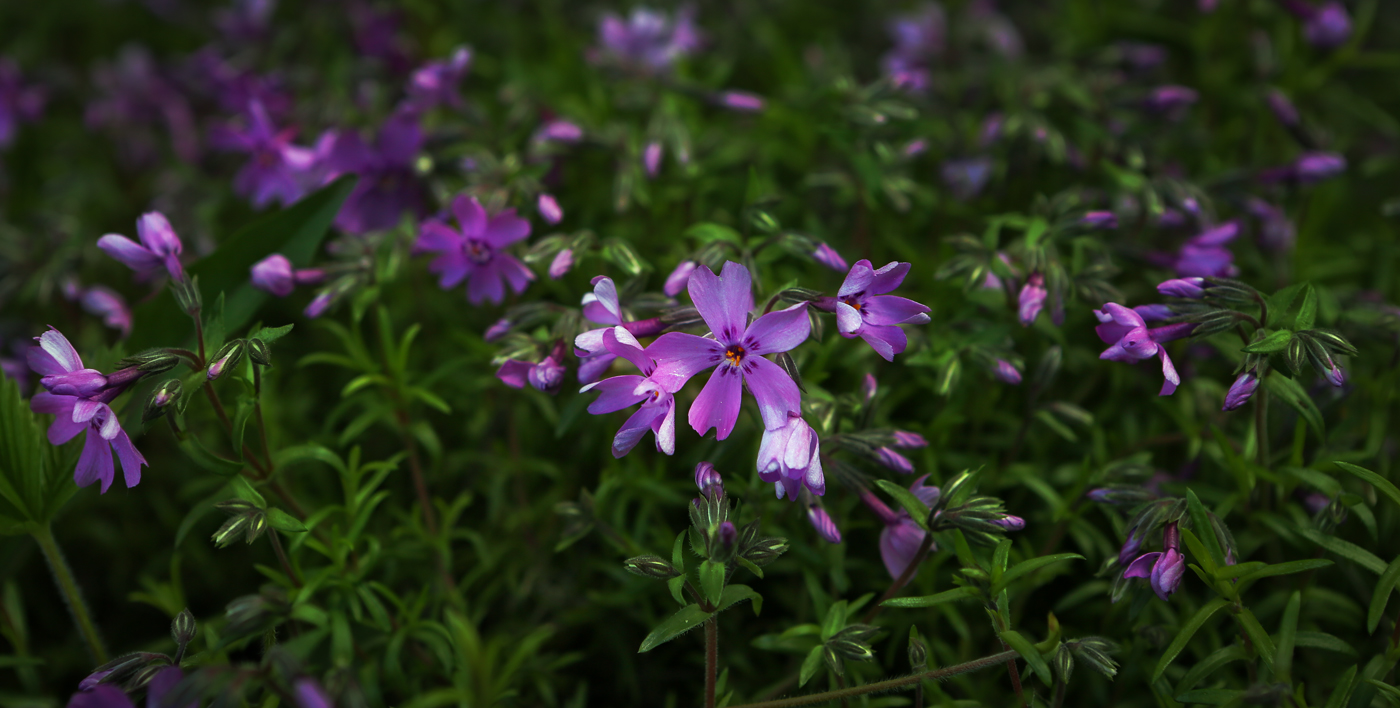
1317,166
18,103
1205,255
909,440
789,457
869,386
388,185
1283,109
651,158
435,83
547,375
309,694
1007,372
679,278
558,131
1165,568
1140,56
741,101
132,97
864,309
996,30
1325,27
918,40
1169,100
966,177
827,256
1132,341
475,251
653,389
276,169
275,275
245,20
1032,299
648,40
549,208
1099,220
106,303
563,262
724,302
497,330
376,34
902,536
893,460
159,246
1189,288
1276,231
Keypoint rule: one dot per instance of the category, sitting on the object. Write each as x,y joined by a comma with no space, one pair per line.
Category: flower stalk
888,684
72,594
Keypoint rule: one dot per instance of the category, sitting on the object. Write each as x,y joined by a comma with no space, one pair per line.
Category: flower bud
183,628
918,650
1241,391
708,480
547,376
821,521
651,567
1007,372
765,550
827,256
1099,220
741,101
549,208
728,534
259,353
651,158
895,461
1032,299
227,358
1189,288
906,439
1318,166
164,395
563,262
868,388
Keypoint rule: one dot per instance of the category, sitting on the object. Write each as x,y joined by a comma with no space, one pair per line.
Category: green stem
258,412
68,585
889,684
711,659
1261,424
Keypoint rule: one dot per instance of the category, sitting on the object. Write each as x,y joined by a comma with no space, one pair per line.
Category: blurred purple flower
1132,341
309,694
1205,255
18,102
497,330
106,303
1189,288
1165,568
918,40
1170,101
827,256
648,40
435,83
563,262
1325,27
559,131
1276,231
1283,108
1140,56
1099,220
821,521
991,130
549,208
789,457
1317,166
376,34
388,185
207,74
651,158
1032,299
475,251
1007,372
909,440
132,97
869,386
863,309
736,352
245,20
893,460
159,246
966,177
547,375
1001,36
902,536
653,389
275,275
679,278
741,101
277,169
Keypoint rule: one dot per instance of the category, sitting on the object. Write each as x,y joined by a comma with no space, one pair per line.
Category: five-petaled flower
863,309
736,352
475,251
159,247
652,389
1132,341
277,170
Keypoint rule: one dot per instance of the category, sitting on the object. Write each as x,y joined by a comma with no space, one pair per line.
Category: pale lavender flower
649,40
653,389
388,184
651,158
789,457
741,101
1166,568
275,275
1241,391
864,309
1132,341
1032,299
827,256
1169,100
1318,166
895,461
1007,372
1188,288
276,170
159,246
724,302
18,102
679,278
549,208
106,303
497,330
563,262
821,521
475,251
1205,255
435,83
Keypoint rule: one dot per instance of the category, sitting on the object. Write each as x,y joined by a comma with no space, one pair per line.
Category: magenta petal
1167,573
888,278
514,373
59,351
778,331
899,544
591,368
1112,333
95,463
886,341
1169,373
1142,567
1124,316
453,268
485,284
621,343
616,393
776,393
601,305
723,300
130,457
436,236
893,310
634,430
680,356
471,216
132,254
717,406
858,280
514,271
155,232
506,228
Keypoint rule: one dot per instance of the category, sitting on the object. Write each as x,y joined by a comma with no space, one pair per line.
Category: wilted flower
549,208
475,251
388,185
648,40
1132,341
653,390
736,352
435,83
679,278
864,309
159,247
790,458
1165,568
827,256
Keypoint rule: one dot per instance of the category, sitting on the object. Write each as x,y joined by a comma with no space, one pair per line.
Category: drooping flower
1163,568
902,536
1032,299
736,352
864,309
653,389
435,83
62,370
276,170
388,185
18,102
679,278
475,251
1132,341
827,256
648,40
789,457
918,40
104,302
159,247
275,275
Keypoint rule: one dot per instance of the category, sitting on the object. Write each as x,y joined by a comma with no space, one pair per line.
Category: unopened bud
183,628
259,353
918,650
868,388
765,550
187,295
227,358
164,395
708,479
651,567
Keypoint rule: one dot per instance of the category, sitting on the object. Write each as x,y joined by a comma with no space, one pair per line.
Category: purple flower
275,275
908,440
1099,220
1283,108
600,306
736,352
59,365
474,252
1010,523
895,461
1169,100
547,375
549,209
376,34
965,178
563,262
915,147
741,101
827,256
1335,375
863,309
159,247
1317,166
869,386
821,521
309,694
1007,372
1141,56
1189,288
435,83
1155,313
708,479
653,389
790,457
651,158
679,278
991,129
1241,391
1032,299
649,40
246,20
388,185
132,97
17,101
902,536
1205,254
111,307
277,170
1276,232
1326,27
1132,341
1165,568
918,39
559,131
497,330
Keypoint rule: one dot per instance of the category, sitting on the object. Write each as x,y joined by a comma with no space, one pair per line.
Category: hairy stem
72,594
888,684
711,659
282,558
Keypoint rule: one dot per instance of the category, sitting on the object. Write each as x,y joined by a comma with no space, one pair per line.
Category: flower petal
617,393
634,430
1167,572
776,393
514,271
590,368
485,284
1169,372
778,331
848,320
54,355
717,406
130,457
506,228
1124,316
130,253
95,463
723,300
680,356
1142,567
893,310
621,343
155,232
899,544
858,280
436,236
886,341
514,373
888,278
664,427
601,305
471,216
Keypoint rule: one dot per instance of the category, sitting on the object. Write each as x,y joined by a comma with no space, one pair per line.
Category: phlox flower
790,458
648,39
1132,341
653,389
1205,255
822,522
277,170
827,256
106,303
18,102
159,246
388,185
736,352
435,83
863,309
546,375
275,275
475,251
902,536
601,306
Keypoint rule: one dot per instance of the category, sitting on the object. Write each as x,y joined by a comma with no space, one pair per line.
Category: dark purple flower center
734,355
478,251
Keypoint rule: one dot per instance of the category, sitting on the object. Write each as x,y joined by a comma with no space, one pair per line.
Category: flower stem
889,684
711,659
257,411
72,594
282,558
1261,424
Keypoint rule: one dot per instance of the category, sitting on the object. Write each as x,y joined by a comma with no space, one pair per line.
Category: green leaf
706,232
1279,303
1382,485
244,489
738,593
1345,549
1207,666
1028,652
962,593
1000,557
917,509
712,580
1200,522
1340,694
1263,643
1290,392
686,619
1287,634
1287,568
201,456
320,453
271,334
282,521
1029,566
1199,552
1211,696
1381,595
1035,231
1323,640
1274,343
810,665
835,619
1307,312
1187,631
